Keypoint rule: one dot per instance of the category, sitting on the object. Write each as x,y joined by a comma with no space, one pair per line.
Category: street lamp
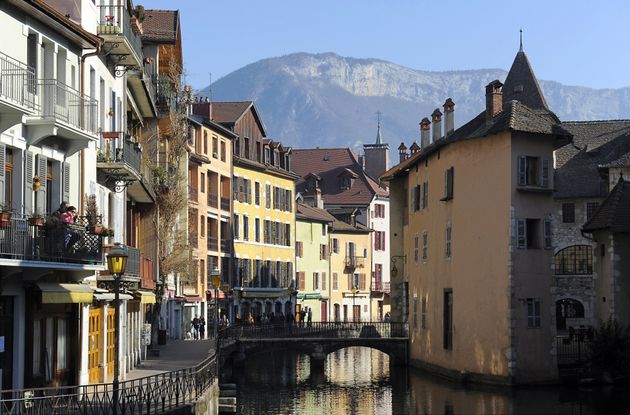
215,279
354,292
116,264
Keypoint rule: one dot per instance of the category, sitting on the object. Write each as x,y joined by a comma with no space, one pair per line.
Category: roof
341,226
160,26
521,84
596,144
229,112
328,163
614,212
306,212
514,117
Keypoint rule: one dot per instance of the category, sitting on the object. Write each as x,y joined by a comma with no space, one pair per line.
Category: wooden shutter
425,196
323,281
3,184
521,234
302,282
314,281
28,190
544,173
382,240
66,182
349,282
547,233
41,164
362,282
522,171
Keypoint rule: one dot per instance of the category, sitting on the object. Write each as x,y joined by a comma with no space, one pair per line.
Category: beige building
471,235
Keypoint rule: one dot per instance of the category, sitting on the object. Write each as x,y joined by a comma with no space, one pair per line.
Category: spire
378,129
521,84
520,49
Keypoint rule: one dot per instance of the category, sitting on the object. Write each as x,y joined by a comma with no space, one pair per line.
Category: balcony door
95,344
356,313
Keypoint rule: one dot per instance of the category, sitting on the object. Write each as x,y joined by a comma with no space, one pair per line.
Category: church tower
376,155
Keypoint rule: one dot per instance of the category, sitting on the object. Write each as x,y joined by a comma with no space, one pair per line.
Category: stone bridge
317,340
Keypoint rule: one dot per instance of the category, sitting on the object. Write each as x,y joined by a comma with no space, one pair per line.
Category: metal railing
225,203
380,286
133,261
353,261
48,239
213,243
117,147
60,102
572,350
17,82
213,200
149,395
115,19
341,330
164,91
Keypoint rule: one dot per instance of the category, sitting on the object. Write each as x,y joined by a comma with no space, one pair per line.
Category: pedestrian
195,324
202,328
303,316
309,317
388,317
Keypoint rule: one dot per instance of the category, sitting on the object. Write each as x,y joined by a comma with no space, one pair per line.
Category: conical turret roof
521,84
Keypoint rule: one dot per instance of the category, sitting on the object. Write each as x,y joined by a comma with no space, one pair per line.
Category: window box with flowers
5,216
37,183
36,220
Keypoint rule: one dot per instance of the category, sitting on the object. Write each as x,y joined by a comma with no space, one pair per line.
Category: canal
358,381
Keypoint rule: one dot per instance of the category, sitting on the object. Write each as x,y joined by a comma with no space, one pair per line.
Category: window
215,147
287,234
568,213
246,227
299,246
424,312
591,208
547,240
379,210
322,252
365,253
528,233
335,281
235,227
202,222
379,240
574,260
222,150
268,196
425,243
448,240
416,243
257,193
257,229
448,184
533,313
378,277
416,198
335,245
205,142
415,312
324,281
315,281
448,319
425,195
289,200
203,183
323,229
533,171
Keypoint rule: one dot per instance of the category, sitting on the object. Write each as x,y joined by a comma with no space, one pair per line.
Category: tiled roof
328,163
341,226
614,213
595,144
309,212
229,112
521,84
160,26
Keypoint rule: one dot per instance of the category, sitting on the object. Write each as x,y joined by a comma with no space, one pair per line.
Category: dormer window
345,182
346,178
276,158
267,155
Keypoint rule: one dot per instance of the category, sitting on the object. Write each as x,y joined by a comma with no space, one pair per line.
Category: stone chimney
436,118
449,117
203,108
414,148
425,132
494,99
402,152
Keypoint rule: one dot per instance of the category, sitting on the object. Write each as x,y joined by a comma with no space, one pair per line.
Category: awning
265,294
110,296
189,299
309,296
146,297
63,293
221,295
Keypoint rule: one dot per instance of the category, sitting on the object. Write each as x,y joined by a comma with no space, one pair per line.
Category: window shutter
314,281
323,281
446,183
545,172
28,191
41,163
66,182
302,281
412,199
521,234
3,156
377,238
547,233
383,241
522,171
362,282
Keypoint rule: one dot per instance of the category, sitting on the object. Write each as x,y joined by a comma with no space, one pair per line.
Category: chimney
402,152
494,99
425,132
203,109
414,148
449,117
436,118
319,202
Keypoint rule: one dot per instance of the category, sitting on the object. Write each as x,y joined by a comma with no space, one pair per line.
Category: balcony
164,92
47,240
121,43
353,262
213,200
63,117
119,160
213,243
380,286
17,91
225,204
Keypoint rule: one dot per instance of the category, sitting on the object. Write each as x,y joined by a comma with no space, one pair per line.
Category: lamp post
354,292
215,279
116,264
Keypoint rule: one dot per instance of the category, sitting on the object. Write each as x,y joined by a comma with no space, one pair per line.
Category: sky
577,42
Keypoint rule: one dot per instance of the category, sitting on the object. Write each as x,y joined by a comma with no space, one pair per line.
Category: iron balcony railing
115,19
133,261
46,238
164,91
60,102
213,243
156,394
572,350
118,147
380,286
353,261
17,82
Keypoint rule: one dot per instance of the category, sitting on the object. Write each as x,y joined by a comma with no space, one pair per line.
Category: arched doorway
567,308
337,312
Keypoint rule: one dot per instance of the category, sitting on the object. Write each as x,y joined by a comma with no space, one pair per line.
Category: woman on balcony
70,236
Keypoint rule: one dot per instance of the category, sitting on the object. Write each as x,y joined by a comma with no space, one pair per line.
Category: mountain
309,100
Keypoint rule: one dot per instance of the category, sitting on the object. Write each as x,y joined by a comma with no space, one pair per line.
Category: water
358,381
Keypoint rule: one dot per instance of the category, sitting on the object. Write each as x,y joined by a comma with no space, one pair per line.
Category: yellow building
350,261
209,184
263,221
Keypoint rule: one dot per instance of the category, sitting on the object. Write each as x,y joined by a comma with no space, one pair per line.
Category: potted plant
5,216
91,214
37,183
36,220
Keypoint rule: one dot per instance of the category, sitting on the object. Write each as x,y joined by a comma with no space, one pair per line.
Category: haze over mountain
309,100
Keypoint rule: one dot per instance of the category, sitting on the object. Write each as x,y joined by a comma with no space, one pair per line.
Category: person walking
202,328
303,316
195,324
309,317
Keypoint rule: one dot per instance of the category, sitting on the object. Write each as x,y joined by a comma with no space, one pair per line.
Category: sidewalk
176,354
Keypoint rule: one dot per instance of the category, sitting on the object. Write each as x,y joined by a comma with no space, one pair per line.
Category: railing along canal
149,395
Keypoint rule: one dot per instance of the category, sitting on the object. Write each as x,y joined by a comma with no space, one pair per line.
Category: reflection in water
357,381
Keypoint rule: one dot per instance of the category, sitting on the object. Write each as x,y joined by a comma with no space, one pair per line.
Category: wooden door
324,311
356,313
111,341
95,344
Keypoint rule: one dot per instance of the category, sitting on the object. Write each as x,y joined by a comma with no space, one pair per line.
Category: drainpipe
82,152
